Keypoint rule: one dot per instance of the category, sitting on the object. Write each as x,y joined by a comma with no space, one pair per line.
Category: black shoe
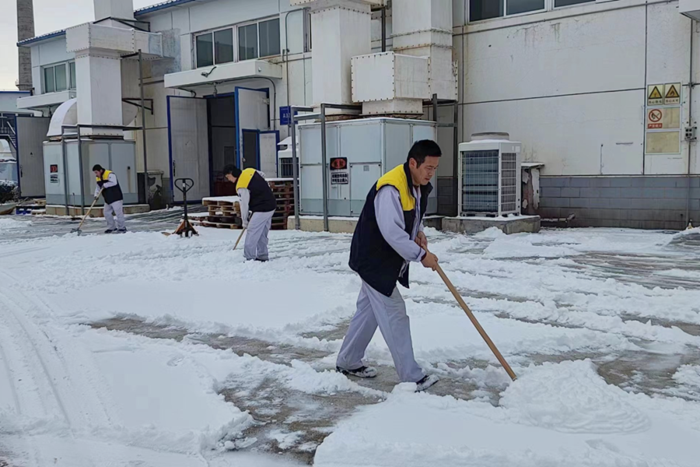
122,230
426,382
110,231
261,260
362,372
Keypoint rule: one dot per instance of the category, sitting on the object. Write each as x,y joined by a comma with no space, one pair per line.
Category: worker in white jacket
257,197
108,185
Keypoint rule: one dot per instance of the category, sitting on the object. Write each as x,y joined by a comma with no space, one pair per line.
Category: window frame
213,32
70,77
549,5
236,42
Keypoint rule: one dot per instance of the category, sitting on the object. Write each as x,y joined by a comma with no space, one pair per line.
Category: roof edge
43,37
161,6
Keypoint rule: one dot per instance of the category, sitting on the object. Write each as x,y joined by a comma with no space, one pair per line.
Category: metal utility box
26,134
490,175
358,152
63,174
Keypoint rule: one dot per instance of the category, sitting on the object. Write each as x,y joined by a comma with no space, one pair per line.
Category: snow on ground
168,351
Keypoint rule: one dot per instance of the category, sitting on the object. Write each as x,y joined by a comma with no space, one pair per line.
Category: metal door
31,133
252,113
189,145
268,153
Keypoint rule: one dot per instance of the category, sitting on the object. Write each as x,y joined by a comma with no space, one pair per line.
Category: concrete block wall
650,202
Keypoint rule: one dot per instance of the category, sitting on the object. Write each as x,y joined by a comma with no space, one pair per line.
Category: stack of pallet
283,189
224,212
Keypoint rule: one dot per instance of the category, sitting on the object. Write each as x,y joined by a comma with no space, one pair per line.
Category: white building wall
571,83
8,101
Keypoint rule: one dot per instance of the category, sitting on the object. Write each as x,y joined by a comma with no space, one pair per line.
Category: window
269,38
214,48
73,78
223,46
59,77
49,80
248,42
487,9
61,81
560,3
259,39
205,56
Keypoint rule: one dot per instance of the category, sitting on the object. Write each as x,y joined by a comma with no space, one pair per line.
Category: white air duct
117,9
397,83
423,28
341,30
98,50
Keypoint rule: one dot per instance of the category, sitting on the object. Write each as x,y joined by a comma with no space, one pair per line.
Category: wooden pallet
218,225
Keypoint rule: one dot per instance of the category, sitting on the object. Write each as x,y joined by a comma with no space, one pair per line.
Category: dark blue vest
377,263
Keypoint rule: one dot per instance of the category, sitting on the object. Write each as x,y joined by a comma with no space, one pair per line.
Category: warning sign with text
673,94
662,119
655,95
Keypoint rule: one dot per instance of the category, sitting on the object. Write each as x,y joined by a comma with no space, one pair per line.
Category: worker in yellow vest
388,237
108,185
256,197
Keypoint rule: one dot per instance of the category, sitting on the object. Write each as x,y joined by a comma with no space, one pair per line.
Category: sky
49,16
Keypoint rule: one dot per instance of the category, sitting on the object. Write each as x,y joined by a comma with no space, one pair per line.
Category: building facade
600,92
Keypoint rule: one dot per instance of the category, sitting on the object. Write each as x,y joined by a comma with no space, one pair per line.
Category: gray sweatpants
389,313
256,236
116,208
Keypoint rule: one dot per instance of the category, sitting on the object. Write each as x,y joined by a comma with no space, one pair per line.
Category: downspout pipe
691,124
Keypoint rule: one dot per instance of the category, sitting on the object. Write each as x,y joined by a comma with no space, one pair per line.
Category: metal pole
455,161
295,170
82,181
435,107
143,130
690,125
324,169
383,29
65,169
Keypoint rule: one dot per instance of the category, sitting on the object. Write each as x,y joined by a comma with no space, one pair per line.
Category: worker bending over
108,185
256,197
388,236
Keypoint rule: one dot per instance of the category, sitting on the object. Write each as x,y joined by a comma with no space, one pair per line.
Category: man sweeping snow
257,197
108,184
389,235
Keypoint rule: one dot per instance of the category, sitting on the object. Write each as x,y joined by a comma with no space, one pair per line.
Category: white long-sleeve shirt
111,181
389,214
244,195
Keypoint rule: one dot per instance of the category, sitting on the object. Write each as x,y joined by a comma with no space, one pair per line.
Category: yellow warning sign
673,97
655,95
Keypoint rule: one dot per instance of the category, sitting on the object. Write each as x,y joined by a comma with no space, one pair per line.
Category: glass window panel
485,9
559,3
205,50
73,77
223,46
270,38
61,78
523,6
248,42
49,80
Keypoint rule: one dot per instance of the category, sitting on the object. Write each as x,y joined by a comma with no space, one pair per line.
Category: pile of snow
558,415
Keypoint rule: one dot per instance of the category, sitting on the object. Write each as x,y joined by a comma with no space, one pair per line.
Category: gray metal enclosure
31,133
371,147
119,156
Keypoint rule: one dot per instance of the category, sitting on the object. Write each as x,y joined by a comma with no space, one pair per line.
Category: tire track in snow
44,382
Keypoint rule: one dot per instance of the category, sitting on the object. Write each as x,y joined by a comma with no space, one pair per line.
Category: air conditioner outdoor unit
489,176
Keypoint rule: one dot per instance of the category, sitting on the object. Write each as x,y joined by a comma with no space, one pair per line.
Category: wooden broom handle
476,324
239,238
